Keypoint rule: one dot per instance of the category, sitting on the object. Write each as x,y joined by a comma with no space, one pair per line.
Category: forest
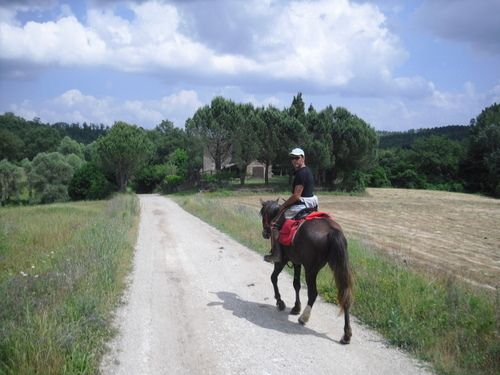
44,163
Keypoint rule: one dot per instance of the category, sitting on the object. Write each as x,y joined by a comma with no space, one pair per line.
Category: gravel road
200,303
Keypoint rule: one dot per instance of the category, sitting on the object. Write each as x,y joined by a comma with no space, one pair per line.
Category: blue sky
399,65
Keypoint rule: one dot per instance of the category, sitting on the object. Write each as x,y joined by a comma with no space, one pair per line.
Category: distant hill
405,139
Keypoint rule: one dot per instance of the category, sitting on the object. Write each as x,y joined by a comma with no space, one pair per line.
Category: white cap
297,152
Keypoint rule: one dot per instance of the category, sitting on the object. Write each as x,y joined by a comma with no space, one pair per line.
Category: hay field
440,231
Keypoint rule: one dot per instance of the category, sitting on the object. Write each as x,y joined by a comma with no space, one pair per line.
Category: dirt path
200,303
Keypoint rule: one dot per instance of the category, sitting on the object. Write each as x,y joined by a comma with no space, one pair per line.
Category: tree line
46,163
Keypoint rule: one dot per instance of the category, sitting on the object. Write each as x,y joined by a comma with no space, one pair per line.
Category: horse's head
268,212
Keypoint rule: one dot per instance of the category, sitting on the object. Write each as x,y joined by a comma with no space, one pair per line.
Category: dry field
441,231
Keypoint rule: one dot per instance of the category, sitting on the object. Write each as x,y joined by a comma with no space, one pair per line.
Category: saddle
291,226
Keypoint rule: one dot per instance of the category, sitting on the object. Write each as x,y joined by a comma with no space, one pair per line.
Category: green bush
89,183
150,177
171,183
216,181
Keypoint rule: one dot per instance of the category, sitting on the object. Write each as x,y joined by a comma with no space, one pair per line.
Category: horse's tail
338,261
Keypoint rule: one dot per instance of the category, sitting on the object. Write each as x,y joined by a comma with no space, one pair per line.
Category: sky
398,65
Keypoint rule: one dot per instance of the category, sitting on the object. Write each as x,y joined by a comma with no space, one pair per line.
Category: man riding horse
302,197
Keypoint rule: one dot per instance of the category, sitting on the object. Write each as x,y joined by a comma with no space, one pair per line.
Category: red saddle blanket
290,227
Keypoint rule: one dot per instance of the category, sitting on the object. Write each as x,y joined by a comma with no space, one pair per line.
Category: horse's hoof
345,340
304,318
280,305
296,310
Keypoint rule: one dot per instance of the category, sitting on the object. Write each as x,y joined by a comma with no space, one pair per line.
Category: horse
316,243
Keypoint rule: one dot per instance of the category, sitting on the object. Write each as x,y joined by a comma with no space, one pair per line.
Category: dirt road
200,303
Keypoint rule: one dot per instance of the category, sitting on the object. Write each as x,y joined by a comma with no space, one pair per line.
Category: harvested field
441,231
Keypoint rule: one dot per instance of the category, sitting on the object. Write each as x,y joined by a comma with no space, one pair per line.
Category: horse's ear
261,201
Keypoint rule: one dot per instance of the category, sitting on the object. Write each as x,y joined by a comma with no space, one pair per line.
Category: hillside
405,139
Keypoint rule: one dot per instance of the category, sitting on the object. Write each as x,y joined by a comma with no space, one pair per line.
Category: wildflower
24,274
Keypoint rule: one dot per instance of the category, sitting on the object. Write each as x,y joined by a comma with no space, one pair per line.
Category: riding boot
275,256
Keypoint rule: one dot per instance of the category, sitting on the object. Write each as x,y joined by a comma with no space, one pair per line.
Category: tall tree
213,126
69,146
298,108
268,134
320,149
166,138
11,146
482,169
51,174
354,149
123,150
245,141
11,180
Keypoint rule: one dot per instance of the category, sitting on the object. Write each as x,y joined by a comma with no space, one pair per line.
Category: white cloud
324,43
64,42
74,106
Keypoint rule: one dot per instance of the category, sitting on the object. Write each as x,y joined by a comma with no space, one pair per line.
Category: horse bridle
266,225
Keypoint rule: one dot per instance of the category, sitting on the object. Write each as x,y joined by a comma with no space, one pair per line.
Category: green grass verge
62,271
436,319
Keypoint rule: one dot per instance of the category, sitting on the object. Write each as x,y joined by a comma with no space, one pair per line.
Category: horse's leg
296,285
312,293
346,339
278,267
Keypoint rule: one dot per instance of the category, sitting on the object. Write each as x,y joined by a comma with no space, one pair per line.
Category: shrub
171,183
89,183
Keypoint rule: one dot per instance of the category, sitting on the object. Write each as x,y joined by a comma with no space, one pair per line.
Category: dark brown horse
317,242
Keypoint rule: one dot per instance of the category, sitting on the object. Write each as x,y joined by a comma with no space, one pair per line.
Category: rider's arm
295,197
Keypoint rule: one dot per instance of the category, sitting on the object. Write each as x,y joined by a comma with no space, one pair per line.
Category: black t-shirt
304,177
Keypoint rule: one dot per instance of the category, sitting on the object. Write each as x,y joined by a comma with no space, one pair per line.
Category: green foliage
482,169
89,183
268,134
216,181
438,158
378,177
166,138
75,161
320,149
41,139
150,177
69,146
244,138
213,127
354,149
123,151
405,139
50,175
180,159
171,183
11,146
12,179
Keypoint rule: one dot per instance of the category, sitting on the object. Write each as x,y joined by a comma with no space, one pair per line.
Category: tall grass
436,318
62,270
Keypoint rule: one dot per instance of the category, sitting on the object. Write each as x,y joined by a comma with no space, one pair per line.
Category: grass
435,318
62,271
